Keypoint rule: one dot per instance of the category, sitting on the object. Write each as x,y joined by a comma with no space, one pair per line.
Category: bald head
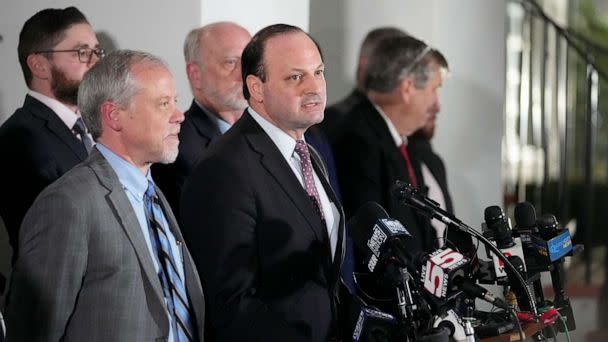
213,64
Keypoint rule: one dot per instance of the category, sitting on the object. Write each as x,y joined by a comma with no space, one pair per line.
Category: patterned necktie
82,132
309,180
173,285
408,164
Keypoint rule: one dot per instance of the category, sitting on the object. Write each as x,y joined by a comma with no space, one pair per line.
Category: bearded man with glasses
46,137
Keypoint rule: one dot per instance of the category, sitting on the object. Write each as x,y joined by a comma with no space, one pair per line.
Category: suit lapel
56,126
202,122
277,168
341,242
119,202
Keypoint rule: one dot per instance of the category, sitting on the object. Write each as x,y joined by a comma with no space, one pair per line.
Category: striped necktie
173,285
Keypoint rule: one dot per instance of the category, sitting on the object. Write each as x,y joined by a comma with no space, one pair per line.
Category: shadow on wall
465,169
328,28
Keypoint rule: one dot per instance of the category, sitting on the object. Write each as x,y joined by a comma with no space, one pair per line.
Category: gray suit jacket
84,272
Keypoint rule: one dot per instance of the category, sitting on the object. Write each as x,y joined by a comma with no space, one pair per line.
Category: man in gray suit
102,257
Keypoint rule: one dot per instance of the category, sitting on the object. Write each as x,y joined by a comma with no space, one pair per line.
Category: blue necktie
172,283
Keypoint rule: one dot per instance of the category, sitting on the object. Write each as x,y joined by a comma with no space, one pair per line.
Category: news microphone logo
515,250
440,268
384,230
371,323
554,248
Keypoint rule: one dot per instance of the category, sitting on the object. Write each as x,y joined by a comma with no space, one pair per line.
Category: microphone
410,196
439,269
557,245
373,325
525,228
499,229
470,288
380,237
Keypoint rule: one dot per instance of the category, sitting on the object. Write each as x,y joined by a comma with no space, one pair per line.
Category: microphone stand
409,196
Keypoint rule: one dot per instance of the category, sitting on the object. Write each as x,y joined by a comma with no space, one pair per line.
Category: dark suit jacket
258,243
368,164
85,272
421,149
336,113
197,132
36,149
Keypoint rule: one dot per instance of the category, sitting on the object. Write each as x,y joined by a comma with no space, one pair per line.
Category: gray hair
111,79
192,45
397,58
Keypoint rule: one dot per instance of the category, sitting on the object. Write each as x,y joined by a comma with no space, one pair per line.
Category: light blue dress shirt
135,184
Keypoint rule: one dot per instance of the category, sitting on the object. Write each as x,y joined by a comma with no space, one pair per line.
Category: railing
551,118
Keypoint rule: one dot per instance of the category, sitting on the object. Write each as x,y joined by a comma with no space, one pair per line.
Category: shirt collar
63,112
129,176
391,128
285,143
222,125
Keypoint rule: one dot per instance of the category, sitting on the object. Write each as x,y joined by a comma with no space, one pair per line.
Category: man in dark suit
264,226
213,66
45,138
401,80
101,253
336,112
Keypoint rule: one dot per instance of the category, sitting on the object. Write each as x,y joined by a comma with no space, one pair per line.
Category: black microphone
558,245
410,196
499,229
470,288
525,228
498,224
375,326
378,236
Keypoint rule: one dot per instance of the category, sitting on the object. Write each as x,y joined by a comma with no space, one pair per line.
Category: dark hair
396,58
376,35
43,31
252,59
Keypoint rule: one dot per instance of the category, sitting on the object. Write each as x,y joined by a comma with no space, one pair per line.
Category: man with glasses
46,137
401,82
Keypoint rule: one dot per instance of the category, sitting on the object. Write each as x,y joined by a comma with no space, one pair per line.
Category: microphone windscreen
492,213
360,225
525,215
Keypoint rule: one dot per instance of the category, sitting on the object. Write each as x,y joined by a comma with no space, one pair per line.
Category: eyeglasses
418,58
84,54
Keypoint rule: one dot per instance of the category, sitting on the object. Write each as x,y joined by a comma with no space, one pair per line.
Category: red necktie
408,164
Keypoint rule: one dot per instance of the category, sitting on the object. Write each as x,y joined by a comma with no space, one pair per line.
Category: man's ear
406,86
111,116
255,87
193,71
39,66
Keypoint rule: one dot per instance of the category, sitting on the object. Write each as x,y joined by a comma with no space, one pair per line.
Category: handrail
534,8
